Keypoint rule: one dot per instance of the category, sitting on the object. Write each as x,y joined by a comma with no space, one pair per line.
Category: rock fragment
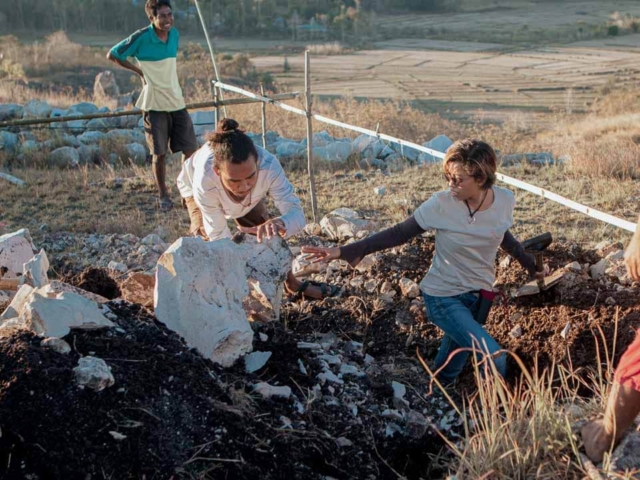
93,373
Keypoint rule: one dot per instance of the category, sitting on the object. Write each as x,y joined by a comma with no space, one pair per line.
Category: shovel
536,246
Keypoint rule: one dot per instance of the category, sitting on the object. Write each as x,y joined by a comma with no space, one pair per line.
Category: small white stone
371,285
117,436
309,346
565,330
255,361
399,390
329,376
56,344
392,429
117,266
387,287
151,239
574,267
343,442
380,190
269,391
393,414
349,370
330,359
303,369
409,288
516,332
263,336
94,373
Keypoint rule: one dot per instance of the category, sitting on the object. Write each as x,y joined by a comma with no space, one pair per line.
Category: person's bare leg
292,284
159,168
600,436
187,154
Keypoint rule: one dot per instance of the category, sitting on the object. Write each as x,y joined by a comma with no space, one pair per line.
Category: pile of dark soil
182,416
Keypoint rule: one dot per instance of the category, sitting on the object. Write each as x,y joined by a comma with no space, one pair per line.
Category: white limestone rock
16,249
344,223
54,287
255,361
54,317
267,266
598,270
34,272
16,306
200,287
270,391
409,288
56,344
93,373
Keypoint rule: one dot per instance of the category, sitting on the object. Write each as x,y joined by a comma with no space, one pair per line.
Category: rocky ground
351,399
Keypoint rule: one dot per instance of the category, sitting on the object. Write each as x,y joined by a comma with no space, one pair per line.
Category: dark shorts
169,130
257,216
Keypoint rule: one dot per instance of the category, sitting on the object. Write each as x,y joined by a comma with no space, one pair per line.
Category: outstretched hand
546,270
321,254
269,229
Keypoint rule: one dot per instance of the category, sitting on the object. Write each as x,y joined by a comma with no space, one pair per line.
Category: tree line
224,17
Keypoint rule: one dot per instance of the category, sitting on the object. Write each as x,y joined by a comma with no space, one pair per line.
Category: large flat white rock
16,249
202,287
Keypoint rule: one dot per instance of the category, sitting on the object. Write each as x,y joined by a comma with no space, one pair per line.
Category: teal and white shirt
157,60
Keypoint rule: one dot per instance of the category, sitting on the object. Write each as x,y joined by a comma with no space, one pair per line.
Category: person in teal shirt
167,123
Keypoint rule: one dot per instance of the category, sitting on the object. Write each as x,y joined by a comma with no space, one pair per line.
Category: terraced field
477,61
470,76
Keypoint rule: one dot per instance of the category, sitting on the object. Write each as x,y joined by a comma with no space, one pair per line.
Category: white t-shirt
198,180
465,252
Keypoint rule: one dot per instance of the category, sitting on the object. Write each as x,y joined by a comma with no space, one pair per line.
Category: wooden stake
264,119
216,116
308,102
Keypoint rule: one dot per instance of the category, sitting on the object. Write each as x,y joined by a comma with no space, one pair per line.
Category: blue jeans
455,316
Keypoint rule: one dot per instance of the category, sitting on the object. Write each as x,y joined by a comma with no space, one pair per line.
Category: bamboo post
264,119
308,102
213,56
216,116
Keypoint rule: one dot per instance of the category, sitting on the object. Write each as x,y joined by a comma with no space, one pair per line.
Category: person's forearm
127,65
514,248
389,238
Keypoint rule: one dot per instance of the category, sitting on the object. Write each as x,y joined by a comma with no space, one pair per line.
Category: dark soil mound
182,416
96,280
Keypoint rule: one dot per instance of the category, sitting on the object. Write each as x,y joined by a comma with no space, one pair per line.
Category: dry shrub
393,118
606,157
529,430
332,48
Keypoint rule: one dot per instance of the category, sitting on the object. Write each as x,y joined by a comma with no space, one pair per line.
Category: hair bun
227,125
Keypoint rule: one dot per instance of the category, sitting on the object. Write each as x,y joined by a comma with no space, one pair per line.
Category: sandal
326,289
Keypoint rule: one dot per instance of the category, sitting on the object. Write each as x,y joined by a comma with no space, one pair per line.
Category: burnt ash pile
342,395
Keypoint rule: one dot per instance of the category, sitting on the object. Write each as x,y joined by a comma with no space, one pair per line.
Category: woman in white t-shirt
471,220
229,178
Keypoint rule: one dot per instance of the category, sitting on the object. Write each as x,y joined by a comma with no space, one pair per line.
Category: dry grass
530,430
90,200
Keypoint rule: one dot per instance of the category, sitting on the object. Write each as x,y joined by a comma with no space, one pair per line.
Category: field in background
470,77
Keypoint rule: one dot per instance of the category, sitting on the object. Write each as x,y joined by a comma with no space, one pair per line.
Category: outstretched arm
514,248
355,252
